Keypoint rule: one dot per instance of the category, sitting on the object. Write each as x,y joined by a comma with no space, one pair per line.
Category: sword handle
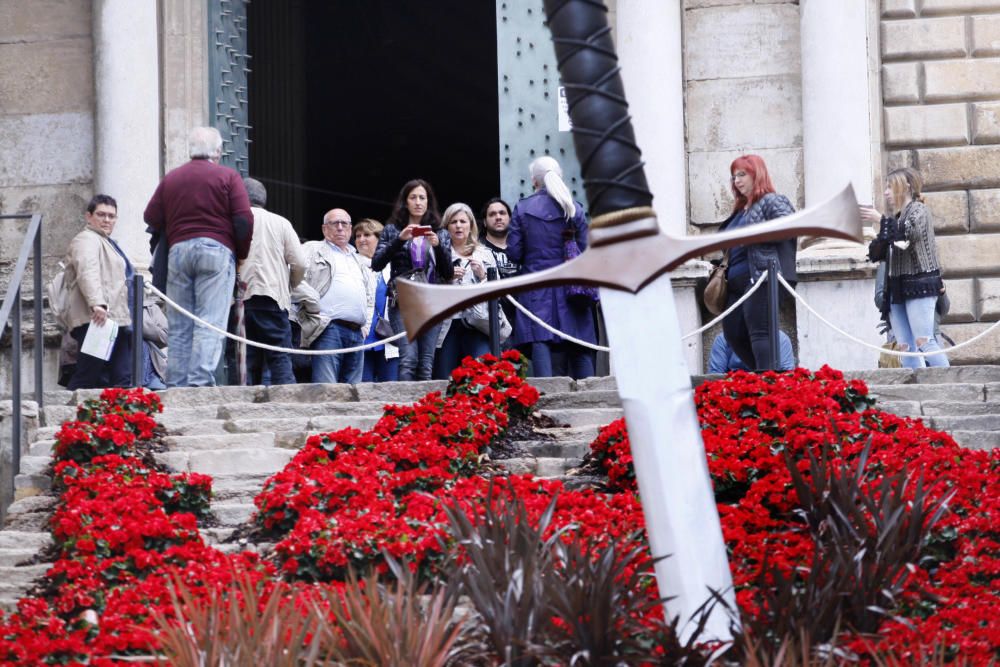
610,159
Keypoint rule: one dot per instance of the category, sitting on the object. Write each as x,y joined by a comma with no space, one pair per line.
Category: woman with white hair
470,260
539,229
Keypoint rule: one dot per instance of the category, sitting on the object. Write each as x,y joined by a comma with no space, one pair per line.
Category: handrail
12,306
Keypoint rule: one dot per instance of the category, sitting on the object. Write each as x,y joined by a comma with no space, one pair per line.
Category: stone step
226,487
192,443
13,557
233,514
47,432
901,408
31,485
965,423
947,408
397,392
554,448
21,539
200,427
55,415
193,397
235,461
21,575
30,514
173,418
977,439
574,433
927,392
41,448
539,467
237,411
580,399
34,465
337,422
574,417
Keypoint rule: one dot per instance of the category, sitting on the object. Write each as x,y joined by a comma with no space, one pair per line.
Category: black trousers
267,323
746,328
94,373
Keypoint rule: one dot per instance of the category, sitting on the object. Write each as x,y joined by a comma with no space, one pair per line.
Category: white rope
600,348
537,320
265,346
878,348
722,316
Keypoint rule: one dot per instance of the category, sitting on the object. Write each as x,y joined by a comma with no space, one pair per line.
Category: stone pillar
650,50
840,100
127,141
841,142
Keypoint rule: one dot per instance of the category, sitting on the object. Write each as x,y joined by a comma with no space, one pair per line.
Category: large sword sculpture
628,258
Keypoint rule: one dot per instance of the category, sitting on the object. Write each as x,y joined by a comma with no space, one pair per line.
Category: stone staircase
242,435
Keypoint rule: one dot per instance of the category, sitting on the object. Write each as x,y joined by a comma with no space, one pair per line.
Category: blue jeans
378,368
912,322
461,342
416,359
200,278
345,368
551,359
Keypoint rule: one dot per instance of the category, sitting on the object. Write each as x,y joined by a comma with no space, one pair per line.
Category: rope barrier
265,346
722,316
565,336
878,348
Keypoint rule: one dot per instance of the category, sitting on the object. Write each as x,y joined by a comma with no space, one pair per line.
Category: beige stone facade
941,93
935,68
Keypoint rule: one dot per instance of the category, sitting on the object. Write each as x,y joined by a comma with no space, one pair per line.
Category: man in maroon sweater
203,209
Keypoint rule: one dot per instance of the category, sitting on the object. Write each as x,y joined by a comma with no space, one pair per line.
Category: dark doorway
350,99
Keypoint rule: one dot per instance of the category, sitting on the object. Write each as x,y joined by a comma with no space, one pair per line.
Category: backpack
58,293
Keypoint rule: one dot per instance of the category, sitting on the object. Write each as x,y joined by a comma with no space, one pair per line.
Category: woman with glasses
470,260
414,246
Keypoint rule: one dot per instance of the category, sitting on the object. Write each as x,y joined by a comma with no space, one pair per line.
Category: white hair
546,171
205,142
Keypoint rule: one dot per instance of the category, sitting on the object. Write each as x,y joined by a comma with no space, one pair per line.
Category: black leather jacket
394,250
769,207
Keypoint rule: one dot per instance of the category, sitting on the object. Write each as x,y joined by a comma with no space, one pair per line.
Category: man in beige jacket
98,276
274,265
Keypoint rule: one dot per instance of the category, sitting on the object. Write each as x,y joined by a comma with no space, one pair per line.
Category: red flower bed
749,420
123,529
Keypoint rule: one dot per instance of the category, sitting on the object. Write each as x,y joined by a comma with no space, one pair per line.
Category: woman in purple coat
538,229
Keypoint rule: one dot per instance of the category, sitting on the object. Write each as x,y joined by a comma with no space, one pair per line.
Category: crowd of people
230,263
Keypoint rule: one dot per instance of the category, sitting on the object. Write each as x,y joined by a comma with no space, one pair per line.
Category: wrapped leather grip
610,160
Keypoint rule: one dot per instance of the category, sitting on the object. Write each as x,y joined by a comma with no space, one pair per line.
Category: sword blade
682,521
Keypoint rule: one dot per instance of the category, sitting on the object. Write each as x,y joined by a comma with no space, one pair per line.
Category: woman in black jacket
747,328
416,247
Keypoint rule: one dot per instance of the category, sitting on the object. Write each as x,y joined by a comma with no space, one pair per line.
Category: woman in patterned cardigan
906,243
747,328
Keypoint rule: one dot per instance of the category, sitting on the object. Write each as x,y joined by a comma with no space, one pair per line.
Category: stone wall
743,93
46,122
941,90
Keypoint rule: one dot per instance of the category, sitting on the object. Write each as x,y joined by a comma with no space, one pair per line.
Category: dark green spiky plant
867,537
237,627
400,624
503,557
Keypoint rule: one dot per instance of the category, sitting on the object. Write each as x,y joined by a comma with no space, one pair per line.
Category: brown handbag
717,290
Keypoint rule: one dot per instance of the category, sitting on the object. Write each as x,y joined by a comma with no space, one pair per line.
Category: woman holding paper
98,277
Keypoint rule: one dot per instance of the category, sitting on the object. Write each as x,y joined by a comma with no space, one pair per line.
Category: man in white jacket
339,319
275,264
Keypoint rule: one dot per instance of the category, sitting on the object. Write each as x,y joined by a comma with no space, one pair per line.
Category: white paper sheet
100,340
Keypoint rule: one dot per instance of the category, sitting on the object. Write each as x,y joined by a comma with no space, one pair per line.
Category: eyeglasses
104,215
337,223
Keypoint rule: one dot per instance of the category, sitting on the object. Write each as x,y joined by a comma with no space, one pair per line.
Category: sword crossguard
627,257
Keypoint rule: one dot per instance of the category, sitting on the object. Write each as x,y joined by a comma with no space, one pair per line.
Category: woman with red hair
746,328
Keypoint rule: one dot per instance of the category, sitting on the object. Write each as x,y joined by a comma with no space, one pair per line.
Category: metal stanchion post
39,334
772,313
138,285
15,407
494,306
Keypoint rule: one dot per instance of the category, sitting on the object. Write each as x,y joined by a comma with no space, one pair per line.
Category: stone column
840,99
650,51
127,83
841,137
